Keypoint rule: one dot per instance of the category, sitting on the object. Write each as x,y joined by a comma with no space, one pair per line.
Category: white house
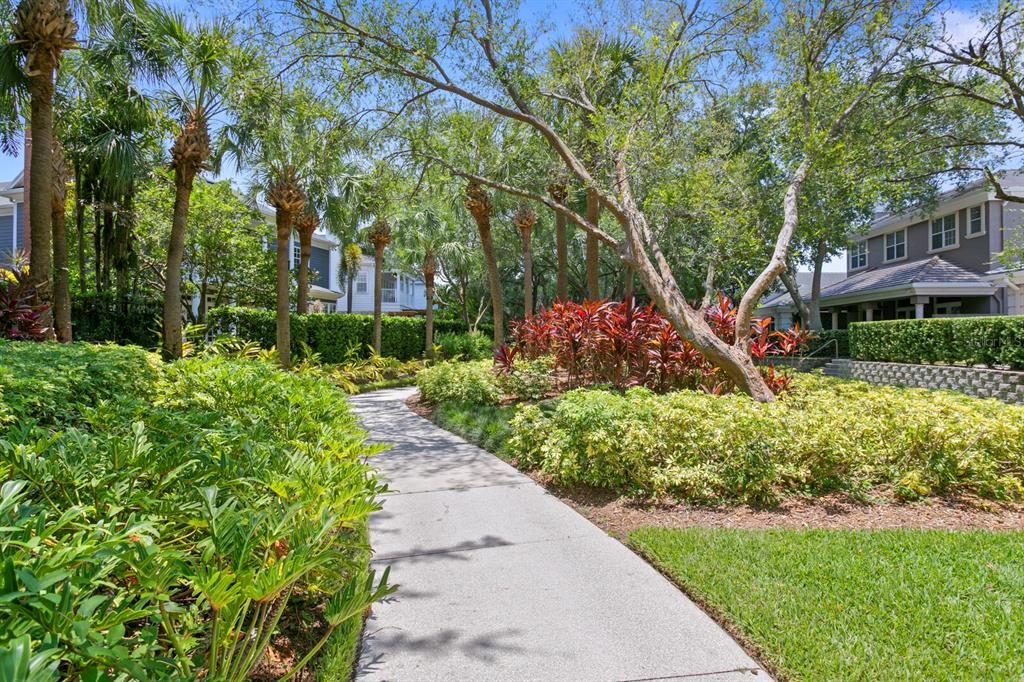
13,218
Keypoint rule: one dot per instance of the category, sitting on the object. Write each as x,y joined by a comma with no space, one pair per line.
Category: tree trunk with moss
593,215
478,203
524,219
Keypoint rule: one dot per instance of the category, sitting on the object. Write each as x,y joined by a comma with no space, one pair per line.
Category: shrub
54,384
825,338
468,346
970,340
714,448
19,317
103,318
168,526
460,382
622,344
528,379
333,336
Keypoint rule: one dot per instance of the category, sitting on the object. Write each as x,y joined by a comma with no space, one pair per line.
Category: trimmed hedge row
826,336
970,340
332,335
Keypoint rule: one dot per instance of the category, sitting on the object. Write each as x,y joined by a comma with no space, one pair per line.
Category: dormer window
859,255
943,233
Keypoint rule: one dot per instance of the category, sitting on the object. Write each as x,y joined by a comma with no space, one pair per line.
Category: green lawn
860,605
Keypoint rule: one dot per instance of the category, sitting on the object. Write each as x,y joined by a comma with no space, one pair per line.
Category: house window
387,287
361,283
896,245
944,232
975,221
296,253
859,255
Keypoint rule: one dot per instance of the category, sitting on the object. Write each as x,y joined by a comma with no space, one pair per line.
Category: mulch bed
619,515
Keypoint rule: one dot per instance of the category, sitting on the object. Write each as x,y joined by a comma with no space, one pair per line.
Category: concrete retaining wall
976,381
797,363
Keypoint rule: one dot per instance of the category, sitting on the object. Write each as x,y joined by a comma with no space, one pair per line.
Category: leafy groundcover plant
822,435
158,523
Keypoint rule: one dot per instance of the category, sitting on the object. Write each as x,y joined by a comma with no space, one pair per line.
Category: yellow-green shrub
459,382
824,435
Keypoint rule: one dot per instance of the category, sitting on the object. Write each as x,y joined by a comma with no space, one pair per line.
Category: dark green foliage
465,345
455,326
859,605
54,384
825,338
331,335
103,317
162,502
486,426
970,340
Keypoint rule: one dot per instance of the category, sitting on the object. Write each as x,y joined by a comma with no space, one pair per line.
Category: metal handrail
830,342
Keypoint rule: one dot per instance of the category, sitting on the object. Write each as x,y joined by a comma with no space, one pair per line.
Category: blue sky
556,14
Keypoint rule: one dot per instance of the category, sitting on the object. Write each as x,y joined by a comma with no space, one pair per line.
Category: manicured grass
860,605
486,426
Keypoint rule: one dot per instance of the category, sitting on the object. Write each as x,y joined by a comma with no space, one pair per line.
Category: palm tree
524,220
305,225
352,259
380,236
557,190
196,92
61,284
43,30
478,202
285,194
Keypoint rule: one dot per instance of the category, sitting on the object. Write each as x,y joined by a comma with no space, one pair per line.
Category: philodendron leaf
19,664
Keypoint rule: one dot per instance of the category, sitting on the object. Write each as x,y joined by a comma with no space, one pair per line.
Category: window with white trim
896,245
943,235
859,255
361,283
296,253
975,221
387,287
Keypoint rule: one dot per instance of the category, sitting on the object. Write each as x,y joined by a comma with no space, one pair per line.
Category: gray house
936,263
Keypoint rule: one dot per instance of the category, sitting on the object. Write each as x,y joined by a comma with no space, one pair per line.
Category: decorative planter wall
980,382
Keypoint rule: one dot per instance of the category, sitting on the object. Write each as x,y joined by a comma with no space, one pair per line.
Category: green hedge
825,337
331,335
970,340
102,317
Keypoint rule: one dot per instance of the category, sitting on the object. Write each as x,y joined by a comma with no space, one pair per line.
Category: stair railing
831,342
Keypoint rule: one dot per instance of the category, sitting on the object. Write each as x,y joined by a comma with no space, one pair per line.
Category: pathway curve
498,580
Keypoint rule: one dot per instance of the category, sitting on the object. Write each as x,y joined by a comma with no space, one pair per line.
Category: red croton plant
20,319
623,344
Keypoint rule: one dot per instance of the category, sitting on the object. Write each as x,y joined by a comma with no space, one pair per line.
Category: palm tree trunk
303,295
61,277
348,292
97,244
428,278
593,214
40,173
284,336
80,229
497,304
527,274
562,252
204,288
378,295
175,254
108,244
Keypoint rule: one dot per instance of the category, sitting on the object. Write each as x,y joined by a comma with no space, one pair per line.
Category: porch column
919,304
835,319
869,314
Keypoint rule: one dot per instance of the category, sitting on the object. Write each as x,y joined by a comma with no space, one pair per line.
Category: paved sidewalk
498,580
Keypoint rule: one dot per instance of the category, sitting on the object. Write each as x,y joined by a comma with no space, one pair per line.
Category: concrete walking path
499,580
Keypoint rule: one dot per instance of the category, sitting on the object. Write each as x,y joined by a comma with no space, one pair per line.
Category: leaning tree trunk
61,276
559,193
793,287
429,270
524,220
189,152
815,303
593,215
478,203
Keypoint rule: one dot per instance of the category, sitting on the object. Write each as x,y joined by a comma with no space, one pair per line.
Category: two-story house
401,291
938,262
